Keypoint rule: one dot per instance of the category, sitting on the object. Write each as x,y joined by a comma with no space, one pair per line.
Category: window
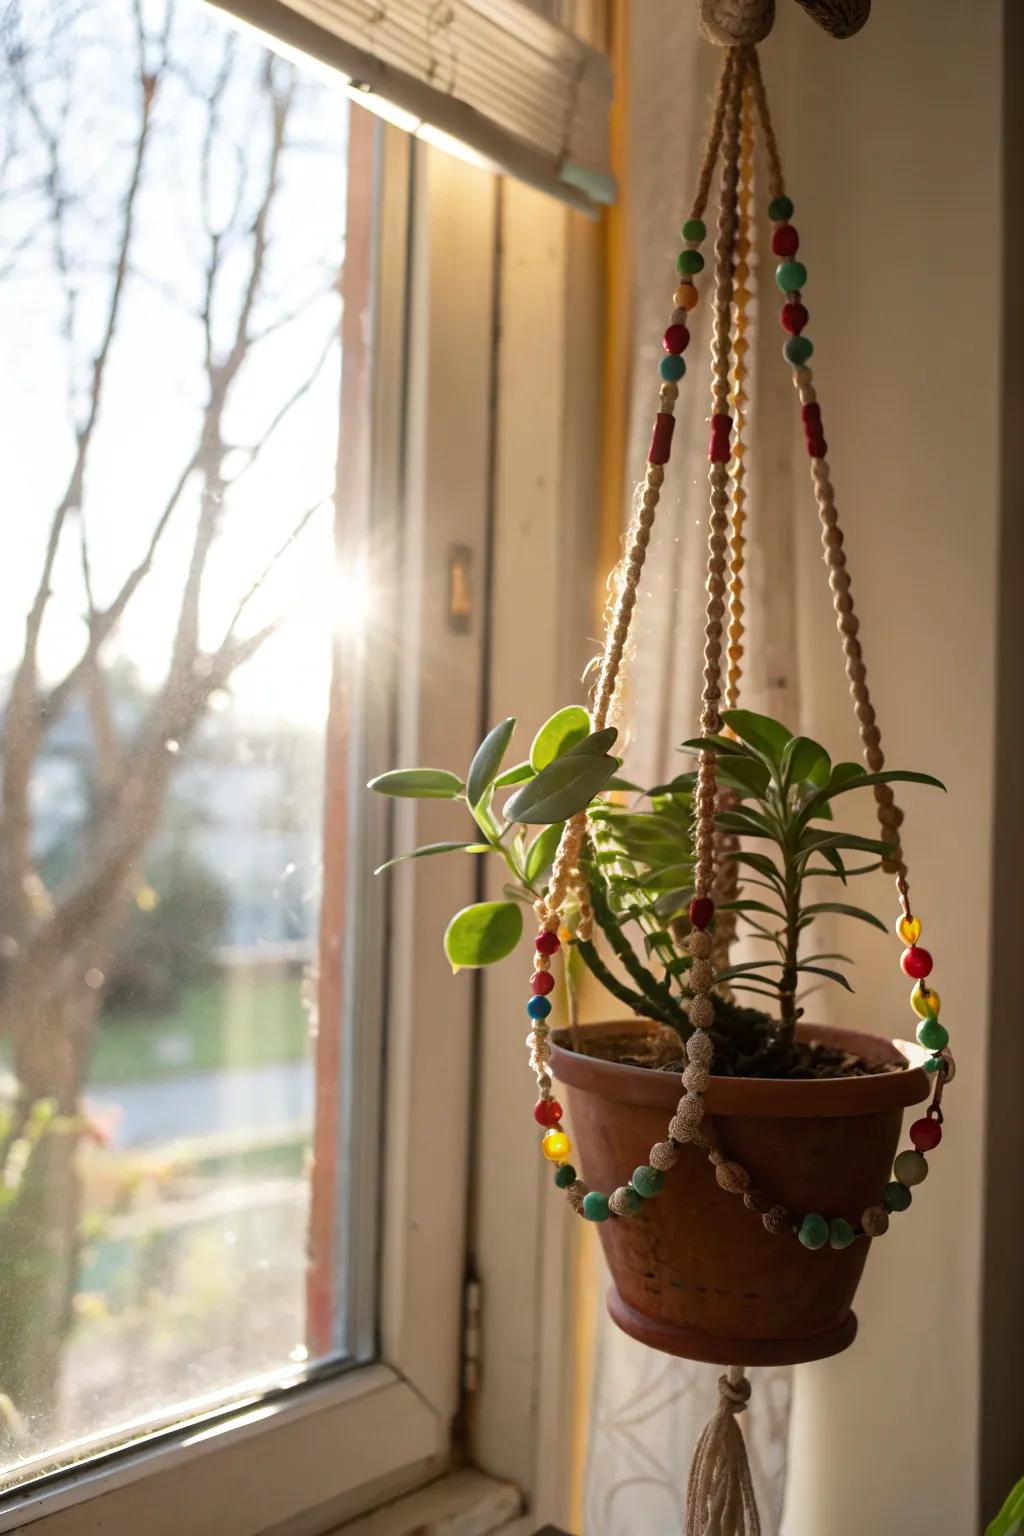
258,433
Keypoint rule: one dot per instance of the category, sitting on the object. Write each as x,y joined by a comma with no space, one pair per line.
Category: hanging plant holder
739,1237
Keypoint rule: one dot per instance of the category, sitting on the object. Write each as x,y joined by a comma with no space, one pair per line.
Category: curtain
648,1409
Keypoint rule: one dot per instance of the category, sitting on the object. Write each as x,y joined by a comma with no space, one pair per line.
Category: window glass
185,324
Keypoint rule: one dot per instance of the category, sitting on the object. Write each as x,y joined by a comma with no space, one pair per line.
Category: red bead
702,910
676,339
794,318
817,447
541,983
811,414
546,943
785,240
661,438
926,1134
547,1112
916,962
719,450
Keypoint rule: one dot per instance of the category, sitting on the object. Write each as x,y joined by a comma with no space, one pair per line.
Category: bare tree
50,939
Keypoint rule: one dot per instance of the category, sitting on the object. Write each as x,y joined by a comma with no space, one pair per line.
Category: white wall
892,146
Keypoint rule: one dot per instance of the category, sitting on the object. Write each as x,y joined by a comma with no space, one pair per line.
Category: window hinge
471,1336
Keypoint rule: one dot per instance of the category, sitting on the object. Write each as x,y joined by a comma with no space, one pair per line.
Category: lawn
240,1018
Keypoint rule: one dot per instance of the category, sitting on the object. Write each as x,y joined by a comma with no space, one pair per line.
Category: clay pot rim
769,1097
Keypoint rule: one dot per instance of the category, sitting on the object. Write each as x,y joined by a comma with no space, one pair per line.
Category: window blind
494,76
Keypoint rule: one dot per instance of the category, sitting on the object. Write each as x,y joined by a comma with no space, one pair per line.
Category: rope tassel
720,1495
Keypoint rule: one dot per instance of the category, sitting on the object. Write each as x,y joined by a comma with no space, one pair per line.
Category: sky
77,62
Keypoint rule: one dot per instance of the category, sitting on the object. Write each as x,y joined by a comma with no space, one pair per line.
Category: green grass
237,1019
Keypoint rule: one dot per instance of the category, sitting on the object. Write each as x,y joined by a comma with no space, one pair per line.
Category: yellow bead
928,1005
556,1146
685,296
909,929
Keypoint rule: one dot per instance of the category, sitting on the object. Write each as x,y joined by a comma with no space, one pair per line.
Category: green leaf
682,784
821,970
430,849
483,770
593,745
751,906
752,969
745,773
1010,1519
618,782
558,734
866,781
517,775
765,735
748,823
816,841
845,910
483,933
541,852
761,862
418,784
564,787
805,761
722,746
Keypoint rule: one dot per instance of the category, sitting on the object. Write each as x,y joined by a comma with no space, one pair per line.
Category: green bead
595,1206
813,1231
840,1233
672,367
933,1035
798,350
647,1181
694,229
689,262
790,275
911,1168
565,1174
933,1063
896,1197
780,209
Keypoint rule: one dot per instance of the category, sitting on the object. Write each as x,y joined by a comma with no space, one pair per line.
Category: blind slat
521,92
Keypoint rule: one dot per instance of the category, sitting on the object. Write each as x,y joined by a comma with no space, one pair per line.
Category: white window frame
489,260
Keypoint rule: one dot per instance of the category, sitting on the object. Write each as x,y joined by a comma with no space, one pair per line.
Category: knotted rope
720,1494
741,23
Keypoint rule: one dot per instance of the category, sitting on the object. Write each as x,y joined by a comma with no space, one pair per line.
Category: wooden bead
780,209
702,975
916,962
926,1134
700,1048
695,230
686,297
695,1078
663,1156
661,438
624,1201
733,1177
699,944
875,1221
785,241
565,1175
791,276
777,1220
794,317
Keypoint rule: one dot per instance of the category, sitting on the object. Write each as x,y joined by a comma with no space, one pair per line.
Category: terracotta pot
694,1272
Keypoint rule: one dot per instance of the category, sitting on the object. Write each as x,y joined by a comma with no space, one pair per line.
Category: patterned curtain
648,1409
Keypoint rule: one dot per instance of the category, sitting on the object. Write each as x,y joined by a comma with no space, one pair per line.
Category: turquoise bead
798,350
565,1174
672,368
647,1181
790,275
896,1197
933,1035
840,1233
689,262
933,1063
780,209
539,1007
813,1231
595,1206
694,229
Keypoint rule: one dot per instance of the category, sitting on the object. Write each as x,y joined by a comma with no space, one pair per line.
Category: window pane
185,321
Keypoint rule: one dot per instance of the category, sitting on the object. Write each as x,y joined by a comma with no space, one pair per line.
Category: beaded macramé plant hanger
720,1499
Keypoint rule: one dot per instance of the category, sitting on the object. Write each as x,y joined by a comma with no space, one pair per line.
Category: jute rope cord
720,1496
743,22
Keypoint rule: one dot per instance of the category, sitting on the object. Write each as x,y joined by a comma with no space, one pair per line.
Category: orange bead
685,296
909,929
556,1146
